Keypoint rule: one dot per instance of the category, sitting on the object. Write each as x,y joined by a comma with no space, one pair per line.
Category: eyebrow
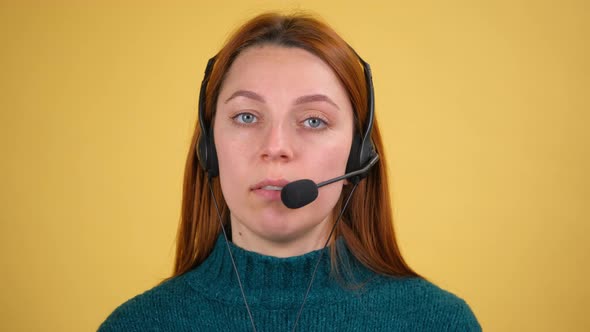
300,100
313,98
247,94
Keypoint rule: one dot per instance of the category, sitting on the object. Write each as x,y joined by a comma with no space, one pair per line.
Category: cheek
233,171
329,166
232,159
331,160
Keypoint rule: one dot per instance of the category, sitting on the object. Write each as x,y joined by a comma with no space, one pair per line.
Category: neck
277,245
273,282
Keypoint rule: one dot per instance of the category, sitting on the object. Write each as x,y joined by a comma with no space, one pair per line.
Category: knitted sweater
208,298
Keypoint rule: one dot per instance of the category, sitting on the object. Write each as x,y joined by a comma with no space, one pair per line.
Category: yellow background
484,110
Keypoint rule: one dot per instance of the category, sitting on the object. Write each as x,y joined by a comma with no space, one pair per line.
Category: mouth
269,188
277,188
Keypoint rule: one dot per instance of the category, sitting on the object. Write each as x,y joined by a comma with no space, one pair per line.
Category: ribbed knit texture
208,298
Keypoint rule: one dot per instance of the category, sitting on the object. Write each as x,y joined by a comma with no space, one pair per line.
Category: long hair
367,225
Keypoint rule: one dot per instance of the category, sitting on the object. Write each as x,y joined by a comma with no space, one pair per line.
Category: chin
288,228
277,228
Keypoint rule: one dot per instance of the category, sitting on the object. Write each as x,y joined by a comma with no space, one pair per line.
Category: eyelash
237,119
323,123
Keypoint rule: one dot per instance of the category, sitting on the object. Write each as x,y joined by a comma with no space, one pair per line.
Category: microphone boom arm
371,163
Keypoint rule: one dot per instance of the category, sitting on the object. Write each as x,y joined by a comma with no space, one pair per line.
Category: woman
287,99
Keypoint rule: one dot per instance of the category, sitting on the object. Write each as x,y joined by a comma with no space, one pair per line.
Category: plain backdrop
483,105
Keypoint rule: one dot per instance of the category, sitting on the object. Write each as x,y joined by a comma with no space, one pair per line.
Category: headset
361,159
362,152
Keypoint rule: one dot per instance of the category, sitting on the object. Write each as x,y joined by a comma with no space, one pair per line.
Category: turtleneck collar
268,281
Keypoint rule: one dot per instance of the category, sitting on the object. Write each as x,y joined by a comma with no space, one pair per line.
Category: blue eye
314,123
245,118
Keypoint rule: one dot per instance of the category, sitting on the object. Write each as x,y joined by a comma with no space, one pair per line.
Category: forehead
280,54
272,66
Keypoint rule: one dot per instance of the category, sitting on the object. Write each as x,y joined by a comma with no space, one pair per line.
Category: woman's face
282,115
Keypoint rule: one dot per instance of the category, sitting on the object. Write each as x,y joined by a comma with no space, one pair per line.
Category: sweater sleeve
435,309
127,317
463,319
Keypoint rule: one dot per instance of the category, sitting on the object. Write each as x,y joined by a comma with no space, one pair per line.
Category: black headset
362,151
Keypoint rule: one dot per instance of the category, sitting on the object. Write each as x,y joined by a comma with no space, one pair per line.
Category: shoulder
151,308
425,304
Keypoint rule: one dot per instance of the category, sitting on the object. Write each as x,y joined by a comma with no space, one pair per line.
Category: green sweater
208,298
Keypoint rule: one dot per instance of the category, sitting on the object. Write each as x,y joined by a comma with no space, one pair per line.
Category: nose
277,144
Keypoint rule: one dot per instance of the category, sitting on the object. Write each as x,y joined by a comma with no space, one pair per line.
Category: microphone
299,193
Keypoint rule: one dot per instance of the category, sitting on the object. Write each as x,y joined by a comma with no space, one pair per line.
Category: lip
269,182
273,195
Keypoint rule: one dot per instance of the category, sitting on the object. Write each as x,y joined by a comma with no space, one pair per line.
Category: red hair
367,225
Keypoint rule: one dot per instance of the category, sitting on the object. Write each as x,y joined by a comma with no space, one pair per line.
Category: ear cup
205,147
367,151
207,154
354,161
201,150
361,152
212,164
